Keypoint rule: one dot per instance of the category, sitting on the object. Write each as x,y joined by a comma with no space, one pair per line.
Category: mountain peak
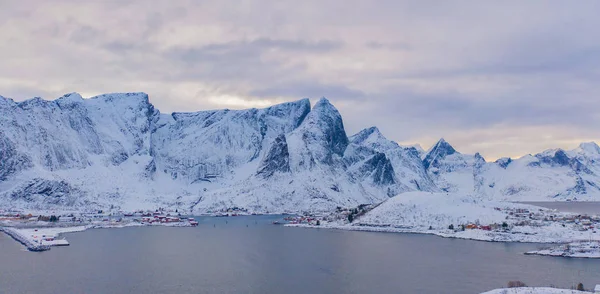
69,99
503,162
365,134
6,100
442,144
590,147
323,103
373,130
71,96
554,157
323,100
479,157
325,126
109,97
441,149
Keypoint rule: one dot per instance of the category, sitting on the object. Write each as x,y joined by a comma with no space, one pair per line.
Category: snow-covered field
534,290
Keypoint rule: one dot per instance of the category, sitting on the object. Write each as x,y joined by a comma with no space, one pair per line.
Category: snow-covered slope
438,210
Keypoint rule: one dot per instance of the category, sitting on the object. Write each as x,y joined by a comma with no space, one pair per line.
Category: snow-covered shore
466,217
574,249
42,235
48,236
534,290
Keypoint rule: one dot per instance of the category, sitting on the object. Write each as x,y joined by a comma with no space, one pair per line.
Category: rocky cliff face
276,160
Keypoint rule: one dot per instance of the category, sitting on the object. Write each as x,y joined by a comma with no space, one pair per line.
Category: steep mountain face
303,170
320,139
117,150
68,132
11,161
450,170
276,160
209,145
408,169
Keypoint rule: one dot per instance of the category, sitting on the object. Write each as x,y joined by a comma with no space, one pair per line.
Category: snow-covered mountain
117,150
551,175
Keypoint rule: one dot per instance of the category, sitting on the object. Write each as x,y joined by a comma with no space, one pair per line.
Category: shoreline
42,238
474,237
15,235
535,290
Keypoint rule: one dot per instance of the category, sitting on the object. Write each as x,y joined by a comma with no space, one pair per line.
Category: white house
597,289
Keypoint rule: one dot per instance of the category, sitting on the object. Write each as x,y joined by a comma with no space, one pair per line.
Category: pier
31,245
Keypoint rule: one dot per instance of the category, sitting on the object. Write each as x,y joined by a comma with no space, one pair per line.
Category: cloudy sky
506,79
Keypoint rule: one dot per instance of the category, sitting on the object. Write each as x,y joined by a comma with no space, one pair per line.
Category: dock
31,246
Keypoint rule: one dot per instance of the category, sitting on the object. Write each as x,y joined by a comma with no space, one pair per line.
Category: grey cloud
459,111
311,89
262,44
380,62
248,50
244,60
84,33
389,46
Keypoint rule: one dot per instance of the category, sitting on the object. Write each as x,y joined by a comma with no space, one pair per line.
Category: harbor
31,245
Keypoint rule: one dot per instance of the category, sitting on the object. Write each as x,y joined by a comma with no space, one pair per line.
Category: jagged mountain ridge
554,174
118,150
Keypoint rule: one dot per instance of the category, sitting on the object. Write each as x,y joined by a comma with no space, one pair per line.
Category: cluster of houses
303,220
582,222
494,227
166,219
232,211
525,217
159,216
21,217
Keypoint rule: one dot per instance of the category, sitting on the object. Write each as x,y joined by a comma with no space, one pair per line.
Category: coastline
46,235
473,235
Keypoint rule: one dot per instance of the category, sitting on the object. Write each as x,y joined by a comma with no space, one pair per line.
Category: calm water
247,255
577,207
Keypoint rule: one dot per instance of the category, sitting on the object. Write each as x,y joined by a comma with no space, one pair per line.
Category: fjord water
248,255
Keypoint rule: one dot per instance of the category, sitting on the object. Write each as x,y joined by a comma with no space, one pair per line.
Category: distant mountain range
117,150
